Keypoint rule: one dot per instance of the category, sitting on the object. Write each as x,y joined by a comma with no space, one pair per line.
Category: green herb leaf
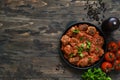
88,45
82,45
97,49
81,38
89,59
76,31
71,55
81,55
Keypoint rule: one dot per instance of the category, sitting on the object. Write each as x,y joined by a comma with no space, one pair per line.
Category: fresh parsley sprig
95,74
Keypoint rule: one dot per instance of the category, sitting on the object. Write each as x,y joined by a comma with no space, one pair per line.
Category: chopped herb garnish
80,50
71,55
89,59
76,31
81,38
97,49
88,45
81,55
82,45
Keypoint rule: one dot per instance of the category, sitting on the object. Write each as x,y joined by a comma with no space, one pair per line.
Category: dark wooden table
30,32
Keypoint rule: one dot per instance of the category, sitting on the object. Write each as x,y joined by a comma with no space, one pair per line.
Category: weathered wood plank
30,32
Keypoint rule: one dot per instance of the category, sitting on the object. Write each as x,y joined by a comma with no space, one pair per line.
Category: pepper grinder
109,25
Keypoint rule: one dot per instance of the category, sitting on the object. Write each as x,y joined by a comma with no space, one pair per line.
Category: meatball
92,58
83,62
68,49
65,39
85,53
98,40
75,51
92,48
74,41
83,27
99,51
91,30
85,35
70,31
73,60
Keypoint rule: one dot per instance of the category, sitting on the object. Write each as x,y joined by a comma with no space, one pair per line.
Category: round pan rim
87,67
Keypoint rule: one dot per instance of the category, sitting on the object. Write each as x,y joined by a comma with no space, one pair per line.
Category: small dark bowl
87,67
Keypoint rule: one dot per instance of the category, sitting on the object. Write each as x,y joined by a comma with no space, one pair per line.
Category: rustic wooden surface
29,37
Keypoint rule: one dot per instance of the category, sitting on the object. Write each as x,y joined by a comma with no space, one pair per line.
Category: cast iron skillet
76,67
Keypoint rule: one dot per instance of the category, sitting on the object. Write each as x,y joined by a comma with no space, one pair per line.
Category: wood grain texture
30,32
